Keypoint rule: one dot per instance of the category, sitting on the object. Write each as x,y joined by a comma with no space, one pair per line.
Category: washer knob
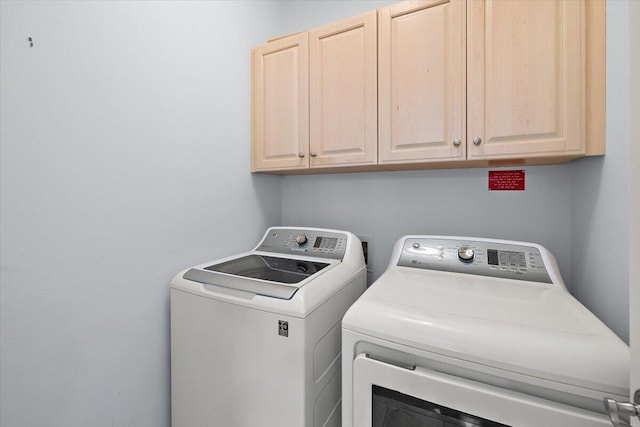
466,254
301,239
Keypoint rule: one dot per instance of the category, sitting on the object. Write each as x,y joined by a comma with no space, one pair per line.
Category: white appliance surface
255,337
437,314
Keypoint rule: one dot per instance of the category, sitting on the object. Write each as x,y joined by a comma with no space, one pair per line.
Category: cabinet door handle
312,154
477,140
301,155
457,142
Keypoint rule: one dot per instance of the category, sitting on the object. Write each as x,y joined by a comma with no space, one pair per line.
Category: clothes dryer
255,337
476,332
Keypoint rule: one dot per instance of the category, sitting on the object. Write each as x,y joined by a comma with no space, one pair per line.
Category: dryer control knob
466,254
301,239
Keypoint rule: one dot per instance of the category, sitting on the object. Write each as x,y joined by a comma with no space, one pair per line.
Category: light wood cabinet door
343,93
422,82
524,78
280,110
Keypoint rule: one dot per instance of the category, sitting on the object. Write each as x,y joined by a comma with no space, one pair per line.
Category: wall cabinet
343,93
421,105
524,78
317,112
452,83
280,104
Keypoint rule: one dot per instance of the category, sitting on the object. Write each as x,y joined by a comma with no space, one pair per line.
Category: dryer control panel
482,257
307,242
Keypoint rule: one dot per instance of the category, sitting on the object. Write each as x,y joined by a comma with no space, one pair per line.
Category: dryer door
388,395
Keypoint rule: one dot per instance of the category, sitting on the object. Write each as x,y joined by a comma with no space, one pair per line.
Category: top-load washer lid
531,331
273,269
286,259
271,276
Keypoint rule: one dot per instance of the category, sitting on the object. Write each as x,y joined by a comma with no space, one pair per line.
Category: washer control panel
309,242
484,258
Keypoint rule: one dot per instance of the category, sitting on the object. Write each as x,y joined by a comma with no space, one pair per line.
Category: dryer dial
466,254
301,239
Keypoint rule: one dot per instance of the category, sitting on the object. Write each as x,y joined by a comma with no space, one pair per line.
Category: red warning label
506,180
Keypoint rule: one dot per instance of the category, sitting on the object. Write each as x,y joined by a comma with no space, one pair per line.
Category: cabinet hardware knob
312,154
457,142
477,140
301,155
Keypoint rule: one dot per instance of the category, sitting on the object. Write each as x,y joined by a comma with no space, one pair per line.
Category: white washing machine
476,332
255,338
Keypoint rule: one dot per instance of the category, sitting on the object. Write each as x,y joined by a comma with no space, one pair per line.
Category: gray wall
382,207
124,158
574,209
302,15
600,195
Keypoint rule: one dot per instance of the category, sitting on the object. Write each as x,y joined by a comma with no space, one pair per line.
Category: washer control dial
301,239
466,254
